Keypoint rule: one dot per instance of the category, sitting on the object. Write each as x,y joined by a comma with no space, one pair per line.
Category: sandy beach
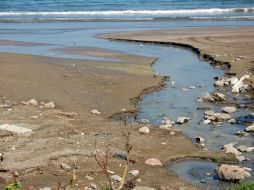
231,45
68,132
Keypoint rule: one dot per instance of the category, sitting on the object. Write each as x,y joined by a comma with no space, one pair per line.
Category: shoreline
103,129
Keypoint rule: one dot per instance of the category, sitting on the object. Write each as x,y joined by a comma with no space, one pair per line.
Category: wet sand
233,45
80,86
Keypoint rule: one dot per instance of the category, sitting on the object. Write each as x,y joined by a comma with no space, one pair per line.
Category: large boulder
232,173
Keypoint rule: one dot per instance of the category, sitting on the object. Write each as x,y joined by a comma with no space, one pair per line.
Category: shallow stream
183,66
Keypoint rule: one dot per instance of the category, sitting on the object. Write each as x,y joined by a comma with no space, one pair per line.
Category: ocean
121,10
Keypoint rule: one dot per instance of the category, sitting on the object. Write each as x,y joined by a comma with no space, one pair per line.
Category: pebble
134,173
229,109
93,186
117,178
250,128
33,102
95,112
144,130
230,149
49,105
65,166
182,120
153,162
206,121
89,178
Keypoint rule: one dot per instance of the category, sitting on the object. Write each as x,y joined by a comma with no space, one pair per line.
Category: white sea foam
127,12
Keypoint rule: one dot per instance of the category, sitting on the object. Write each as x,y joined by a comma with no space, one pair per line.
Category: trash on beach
238,85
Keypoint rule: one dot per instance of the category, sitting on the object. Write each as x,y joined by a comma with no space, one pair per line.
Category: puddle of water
199,173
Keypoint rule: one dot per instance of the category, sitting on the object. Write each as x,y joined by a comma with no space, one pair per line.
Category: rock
134,173
229,109
230,149
232,121
145,121
232,173
153,162
199,140
14,129
144,130
219,97
117,178
219,83
93,186
65,166
192,87
185,89
46,188
182,120
222,116
209,113
143,188
95,112
166,127
250,128
89,178
233,80
32,102
172,133
205,97
167,121
206,121
49,105
243,148
240,158
1,156
242,134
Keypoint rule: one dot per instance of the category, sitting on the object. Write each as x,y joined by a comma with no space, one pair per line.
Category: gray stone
243,148
229,109
230,149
